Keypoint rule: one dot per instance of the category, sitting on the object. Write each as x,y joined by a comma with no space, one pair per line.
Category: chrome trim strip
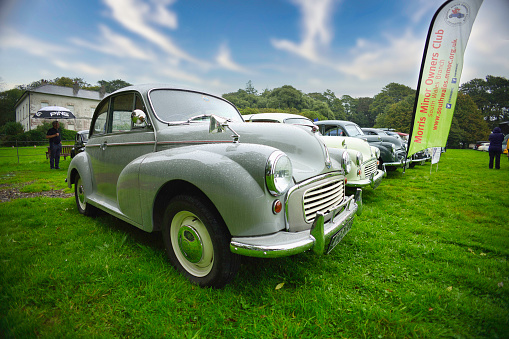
195,142
123,144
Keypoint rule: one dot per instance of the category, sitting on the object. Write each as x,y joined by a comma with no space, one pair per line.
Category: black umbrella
54,112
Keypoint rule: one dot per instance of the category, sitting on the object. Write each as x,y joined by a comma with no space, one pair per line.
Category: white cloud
12,39
316,30
115,44
78,67
137,16
224,60
398,57
488,47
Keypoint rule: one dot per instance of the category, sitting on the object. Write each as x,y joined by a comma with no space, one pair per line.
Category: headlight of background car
377,152
393,149
278,173
345,162
359,158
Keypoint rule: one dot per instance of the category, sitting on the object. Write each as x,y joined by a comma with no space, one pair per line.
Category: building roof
67,92
64,92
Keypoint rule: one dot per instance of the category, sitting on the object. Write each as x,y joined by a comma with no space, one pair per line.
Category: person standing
55,145
495,149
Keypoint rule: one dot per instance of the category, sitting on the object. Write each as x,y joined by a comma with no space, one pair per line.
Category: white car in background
484,147
363,157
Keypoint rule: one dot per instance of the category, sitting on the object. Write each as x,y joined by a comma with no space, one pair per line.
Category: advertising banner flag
440,74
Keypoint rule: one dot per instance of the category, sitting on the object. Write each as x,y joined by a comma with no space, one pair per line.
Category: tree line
481,105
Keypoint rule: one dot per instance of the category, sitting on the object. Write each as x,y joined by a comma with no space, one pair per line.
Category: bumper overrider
400,162
321,238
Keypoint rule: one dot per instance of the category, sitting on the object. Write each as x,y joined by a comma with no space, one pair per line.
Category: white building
80,102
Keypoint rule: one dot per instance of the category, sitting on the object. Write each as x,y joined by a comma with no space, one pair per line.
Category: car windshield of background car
180,106
353,130
298,121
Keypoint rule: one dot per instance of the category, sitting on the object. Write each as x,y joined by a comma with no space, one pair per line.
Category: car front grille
370,168
322,198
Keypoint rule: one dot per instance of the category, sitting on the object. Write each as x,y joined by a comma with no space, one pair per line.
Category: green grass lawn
427,258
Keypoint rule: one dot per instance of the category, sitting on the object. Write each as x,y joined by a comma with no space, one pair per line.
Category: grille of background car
370,168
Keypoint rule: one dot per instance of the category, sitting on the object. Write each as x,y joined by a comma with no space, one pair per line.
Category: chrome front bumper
318,238
374,180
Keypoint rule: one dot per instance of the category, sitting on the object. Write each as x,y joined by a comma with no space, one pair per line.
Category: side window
99,124
334,131
122,110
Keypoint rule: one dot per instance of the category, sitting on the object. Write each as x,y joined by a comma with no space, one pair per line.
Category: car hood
306,151
349,143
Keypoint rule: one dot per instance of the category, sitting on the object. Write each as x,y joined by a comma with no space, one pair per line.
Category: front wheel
197,242
79,194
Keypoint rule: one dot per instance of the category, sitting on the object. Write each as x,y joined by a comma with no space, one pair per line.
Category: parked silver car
185,163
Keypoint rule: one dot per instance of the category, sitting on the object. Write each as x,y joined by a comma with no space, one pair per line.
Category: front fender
80,164
231,176
386,153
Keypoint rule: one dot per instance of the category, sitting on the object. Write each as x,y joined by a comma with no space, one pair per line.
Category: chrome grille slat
317,194
322,198
311,214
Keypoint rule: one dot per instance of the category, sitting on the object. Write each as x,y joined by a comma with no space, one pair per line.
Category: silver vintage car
185,163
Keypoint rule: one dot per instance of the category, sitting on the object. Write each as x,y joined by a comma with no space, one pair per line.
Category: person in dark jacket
495,149
55,145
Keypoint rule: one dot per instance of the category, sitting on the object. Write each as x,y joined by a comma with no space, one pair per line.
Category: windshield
298,121
179,106
353,130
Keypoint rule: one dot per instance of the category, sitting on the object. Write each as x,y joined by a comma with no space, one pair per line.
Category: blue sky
352,47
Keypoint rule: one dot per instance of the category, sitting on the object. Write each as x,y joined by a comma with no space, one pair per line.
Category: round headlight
393,149
359,158
278,173
377,152
345,162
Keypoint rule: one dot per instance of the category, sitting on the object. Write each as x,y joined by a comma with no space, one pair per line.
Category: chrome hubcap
190,243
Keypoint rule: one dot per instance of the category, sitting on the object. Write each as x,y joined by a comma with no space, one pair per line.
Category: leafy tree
349,107
491,96
390,94
113,85
285,97
398,115
8,101
362,116
313,115
69,82
250,89
11,128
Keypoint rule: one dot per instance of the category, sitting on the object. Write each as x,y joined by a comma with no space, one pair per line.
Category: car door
117,141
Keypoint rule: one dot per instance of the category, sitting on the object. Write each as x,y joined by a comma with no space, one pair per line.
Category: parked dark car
80,140
417,158
392,152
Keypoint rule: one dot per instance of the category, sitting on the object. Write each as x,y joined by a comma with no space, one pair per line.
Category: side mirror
219,125
139,119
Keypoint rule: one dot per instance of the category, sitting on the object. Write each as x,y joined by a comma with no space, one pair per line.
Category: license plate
336,238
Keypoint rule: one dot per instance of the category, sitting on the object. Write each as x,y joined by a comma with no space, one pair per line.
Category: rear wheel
79,194
197,242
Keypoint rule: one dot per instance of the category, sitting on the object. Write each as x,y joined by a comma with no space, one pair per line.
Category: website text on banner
440,74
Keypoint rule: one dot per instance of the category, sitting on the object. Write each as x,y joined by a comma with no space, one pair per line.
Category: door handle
104,145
